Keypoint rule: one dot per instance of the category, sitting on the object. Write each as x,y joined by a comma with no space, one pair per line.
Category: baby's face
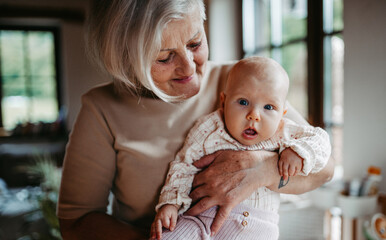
254,104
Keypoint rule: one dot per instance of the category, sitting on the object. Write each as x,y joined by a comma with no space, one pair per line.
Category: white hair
124,37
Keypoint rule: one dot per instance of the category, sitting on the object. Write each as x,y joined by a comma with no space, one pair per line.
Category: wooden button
246,214
244,223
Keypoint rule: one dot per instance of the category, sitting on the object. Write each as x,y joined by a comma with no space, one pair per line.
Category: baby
250,118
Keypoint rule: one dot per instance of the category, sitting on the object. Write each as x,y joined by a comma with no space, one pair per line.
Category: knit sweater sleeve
181,173
310,143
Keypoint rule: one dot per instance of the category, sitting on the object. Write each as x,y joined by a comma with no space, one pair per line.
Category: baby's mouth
250,132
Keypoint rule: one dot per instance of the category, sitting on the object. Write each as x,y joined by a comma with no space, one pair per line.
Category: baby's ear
285,109
222,100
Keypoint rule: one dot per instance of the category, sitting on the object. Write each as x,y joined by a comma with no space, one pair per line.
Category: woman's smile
183,80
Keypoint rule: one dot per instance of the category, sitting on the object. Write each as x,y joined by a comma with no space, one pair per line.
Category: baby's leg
246,223
189,227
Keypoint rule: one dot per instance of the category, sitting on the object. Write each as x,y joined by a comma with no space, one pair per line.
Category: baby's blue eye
268,107
243,102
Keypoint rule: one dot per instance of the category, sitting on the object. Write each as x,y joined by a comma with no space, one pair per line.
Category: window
28,76
278,29
333,54
305,37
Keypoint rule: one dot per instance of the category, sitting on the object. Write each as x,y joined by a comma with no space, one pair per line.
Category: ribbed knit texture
244,223
209,135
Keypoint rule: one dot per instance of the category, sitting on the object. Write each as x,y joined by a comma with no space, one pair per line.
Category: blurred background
333,50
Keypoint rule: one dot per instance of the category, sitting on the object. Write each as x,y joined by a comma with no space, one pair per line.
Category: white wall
365,87
224,38
79,75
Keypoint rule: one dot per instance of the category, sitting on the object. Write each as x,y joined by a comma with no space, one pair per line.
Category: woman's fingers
228,180
221,215
197,193
205,161
201,206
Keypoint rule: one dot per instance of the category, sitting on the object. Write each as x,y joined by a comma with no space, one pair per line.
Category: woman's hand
228,178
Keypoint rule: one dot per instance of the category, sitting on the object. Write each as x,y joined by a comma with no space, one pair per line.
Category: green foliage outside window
28,77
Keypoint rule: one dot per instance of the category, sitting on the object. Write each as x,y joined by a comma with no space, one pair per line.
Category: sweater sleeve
89,163
181,173
310,143
178,185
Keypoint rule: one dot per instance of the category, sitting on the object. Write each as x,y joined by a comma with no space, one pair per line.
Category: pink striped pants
244,222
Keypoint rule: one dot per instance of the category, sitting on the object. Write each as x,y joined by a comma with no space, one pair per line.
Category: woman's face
180,65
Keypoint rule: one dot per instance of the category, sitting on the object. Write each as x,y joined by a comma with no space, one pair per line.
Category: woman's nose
186,64
253,116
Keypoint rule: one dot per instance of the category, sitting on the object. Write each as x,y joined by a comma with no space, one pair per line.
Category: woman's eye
195,45
163,60
243,102
167,59
268,107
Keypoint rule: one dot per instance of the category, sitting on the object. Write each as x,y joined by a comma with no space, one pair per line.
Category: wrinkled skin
232,176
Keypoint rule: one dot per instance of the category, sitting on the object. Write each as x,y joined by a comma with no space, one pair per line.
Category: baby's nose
253,116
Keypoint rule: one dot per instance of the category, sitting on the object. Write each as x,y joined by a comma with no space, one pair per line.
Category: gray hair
124,37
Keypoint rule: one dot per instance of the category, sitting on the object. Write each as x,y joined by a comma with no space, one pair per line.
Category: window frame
315,60
55,30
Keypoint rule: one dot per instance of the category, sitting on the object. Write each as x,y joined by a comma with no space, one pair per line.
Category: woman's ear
222,100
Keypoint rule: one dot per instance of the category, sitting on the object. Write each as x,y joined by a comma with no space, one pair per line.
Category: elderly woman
128,131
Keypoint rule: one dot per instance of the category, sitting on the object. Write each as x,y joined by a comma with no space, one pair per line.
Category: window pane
15,110
28,77
256,25
44,102
338,15
333,81
43,109
14,86
12,57
294,17
333,92
333,15
41,52
248,26
337,78
44,87
294,61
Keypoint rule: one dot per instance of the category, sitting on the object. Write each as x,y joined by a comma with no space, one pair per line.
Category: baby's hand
167,218
290,164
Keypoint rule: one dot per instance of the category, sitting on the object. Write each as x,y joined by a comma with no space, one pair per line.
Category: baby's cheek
270,131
